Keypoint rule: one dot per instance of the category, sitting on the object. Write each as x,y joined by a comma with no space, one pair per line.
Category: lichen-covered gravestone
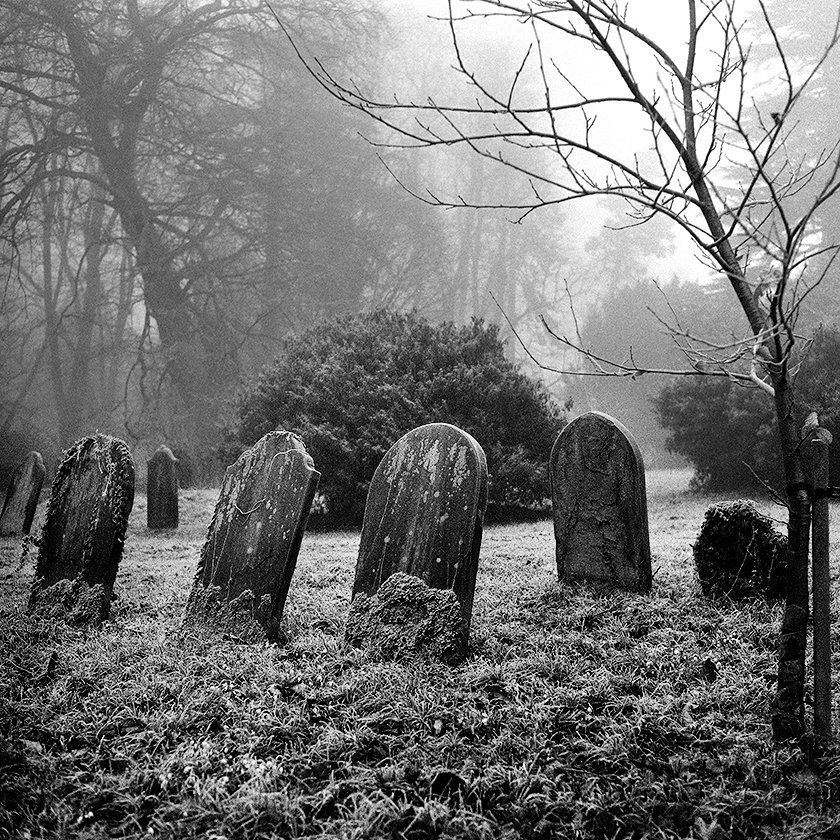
600,504
249,557
22,497
84,530
162,490
423,518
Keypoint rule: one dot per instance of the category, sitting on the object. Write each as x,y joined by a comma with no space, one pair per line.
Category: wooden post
820,582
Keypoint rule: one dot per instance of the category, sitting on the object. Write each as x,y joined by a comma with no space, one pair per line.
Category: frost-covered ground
575,715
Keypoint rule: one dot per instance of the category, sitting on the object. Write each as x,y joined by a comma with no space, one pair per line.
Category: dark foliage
351,386
15,445
728,432
739,553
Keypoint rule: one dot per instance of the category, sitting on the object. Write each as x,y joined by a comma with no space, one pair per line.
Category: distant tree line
175,199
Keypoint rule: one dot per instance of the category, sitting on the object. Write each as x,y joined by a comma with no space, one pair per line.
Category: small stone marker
249,557
162,490
424,517
600,504
22,496
84,530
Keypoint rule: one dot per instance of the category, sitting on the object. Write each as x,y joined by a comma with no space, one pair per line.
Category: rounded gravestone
162,490
600,504
22,496
424,516
249,557
84,530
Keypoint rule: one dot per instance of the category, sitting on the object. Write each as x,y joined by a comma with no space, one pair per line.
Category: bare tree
219,176
603,103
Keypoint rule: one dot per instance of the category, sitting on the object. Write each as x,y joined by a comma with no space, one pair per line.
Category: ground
575,715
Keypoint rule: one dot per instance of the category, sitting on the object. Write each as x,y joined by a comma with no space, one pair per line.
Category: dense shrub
728,432
739,553
350,387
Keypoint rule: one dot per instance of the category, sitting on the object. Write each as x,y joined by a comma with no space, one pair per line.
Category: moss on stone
75,601
405,618
241,617
738,552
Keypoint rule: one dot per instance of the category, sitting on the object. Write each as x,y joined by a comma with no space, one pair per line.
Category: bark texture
788,706
600,505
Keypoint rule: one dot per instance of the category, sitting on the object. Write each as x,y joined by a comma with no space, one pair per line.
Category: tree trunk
83,404
187,355
51,317
787,708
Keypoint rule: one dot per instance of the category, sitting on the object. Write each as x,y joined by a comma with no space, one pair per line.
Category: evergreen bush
728,432
739,553
352,386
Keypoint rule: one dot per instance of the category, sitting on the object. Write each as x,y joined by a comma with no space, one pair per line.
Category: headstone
84,530
162,489
424,517
22,497
600,504
249,557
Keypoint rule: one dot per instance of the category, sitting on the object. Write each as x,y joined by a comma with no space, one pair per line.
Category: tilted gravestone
600,504
424,517
22,496
252,546
162,489
84,530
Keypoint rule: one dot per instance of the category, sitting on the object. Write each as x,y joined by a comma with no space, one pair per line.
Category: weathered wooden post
818,446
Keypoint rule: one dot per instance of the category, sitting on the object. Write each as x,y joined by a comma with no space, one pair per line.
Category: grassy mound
738,552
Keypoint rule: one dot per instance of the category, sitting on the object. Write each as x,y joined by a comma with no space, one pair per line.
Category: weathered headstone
162,489
84,530
600,504
22,497
424,517
249,557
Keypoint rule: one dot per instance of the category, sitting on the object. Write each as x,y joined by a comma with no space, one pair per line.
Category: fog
179,193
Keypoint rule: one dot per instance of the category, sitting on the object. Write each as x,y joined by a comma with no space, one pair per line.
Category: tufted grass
576,715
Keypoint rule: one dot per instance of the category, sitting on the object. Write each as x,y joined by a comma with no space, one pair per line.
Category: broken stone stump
22,496
84,530
424,518
404,618
739,554
249,557
600,505
162,490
